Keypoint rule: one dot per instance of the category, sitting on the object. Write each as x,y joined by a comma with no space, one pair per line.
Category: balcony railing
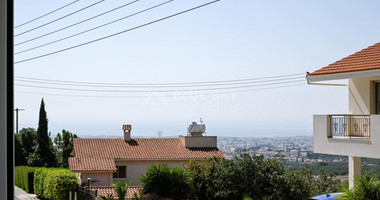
349,126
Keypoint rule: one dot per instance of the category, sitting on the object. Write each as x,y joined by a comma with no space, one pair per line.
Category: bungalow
107,160
357,133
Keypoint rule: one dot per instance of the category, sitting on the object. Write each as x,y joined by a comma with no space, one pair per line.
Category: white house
357,133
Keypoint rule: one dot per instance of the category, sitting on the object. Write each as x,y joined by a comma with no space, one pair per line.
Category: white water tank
196,128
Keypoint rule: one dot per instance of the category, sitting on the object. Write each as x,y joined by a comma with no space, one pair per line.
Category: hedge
59,183
24,178
54,183
39,179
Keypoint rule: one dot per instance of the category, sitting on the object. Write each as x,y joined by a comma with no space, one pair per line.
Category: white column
354,169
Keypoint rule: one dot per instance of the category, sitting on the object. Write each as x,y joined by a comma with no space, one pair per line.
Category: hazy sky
231,39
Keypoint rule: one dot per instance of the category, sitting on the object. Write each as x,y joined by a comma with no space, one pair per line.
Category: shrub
39,179
24,178
58,184
121,188
164,182
366,187
255,178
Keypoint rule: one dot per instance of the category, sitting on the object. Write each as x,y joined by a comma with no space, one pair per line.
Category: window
377,98
121,172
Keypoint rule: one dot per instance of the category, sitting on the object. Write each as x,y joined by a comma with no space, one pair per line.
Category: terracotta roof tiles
366,59
92,164
142,148
106,190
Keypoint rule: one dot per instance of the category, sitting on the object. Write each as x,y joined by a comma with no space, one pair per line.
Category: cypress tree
45,150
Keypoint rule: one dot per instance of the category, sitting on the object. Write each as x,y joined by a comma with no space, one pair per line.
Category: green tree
20,155
58,145
45,150
67,146
366,187
29,143
164,182
255,178
121,188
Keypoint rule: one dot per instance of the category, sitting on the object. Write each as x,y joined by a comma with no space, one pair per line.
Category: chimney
127,132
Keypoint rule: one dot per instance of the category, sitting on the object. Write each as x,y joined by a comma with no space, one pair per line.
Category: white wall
360,95
104,178
347,147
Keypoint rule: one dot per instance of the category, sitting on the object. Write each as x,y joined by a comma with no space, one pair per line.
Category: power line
153,96
118,33
94,28
88,19
156,86
55,20
144,91
51,12
170,83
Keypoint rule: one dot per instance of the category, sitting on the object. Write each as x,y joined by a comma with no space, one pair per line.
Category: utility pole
17,109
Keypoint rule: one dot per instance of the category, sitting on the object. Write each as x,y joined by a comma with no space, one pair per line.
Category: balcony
347,135
349,126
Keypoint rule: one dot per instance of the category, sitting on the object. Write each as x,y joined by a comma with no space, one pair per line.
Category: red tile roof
105,190
92,164
366,59
99,154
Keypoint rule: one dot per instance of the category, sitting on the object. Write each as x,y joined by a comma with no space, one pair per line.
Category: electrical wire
55,20
77,23
154,96
51,12
155,86
118,33
178,83
142,91
94,28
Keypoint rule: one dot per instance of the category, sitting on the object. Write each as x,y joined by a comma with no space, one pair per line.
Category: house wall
198,141
104,178
360,95
136,168
359,147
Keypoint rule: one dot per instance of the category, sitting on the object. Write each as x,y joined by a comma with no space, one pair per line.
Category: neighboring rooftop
99,154
108,190
92,164
364,60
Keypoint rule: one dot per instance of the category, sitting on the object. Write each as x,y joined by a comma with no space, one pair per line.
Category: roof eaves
347,75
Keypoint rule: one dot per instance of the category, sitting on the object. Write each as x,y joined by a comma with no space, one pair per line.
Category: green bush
39,179
366,187
24,178
58,183
165,182
255,178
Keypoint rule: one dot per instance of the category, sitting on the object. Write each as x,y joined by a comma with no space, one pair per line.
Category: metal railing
349,126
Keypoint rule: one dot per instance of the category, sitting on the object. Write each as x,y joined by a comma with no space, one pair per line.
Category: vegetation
27,147
20,155
36,149
58,184
245,177
366,187
108,197
121,188
44,150
24,178
54,183
65,147
164,182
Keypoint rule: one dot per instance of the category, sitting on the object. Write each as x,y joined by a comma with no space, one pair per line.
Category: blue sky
227,40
